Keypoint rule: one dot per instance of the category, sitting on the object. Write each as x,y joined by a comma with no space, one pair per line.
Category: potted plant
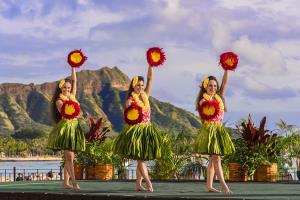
266,150
238,165
100,160
96,159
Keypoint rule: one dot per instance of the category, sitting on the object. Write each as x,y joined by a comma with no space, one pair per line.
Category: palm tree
286,129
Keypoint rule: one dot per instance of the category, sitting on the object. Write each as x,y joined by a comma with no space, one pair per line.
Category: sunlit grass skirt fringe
212,139
139,142
67,135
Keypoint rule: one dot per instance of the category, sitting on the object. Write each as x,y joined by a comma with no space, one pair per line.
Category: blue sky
36,36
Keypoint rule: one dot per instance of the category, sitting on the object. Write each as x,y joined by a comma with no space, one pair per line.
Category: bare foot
212,190
227,191
140,188
75,186
149,187
68,186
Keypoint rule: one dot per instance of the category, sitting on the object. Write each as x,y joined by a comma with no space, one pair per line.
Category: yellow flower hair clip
61,83
135,81
205,82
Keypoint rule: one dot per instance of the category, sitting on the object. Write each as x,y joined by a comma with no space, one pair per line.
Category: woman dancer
213,139
139,140
67,134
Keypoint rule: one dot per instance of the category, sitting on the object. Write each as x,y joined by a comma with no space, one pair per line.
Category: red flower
70,109
209,110
76,58
229,61
155,56
133,114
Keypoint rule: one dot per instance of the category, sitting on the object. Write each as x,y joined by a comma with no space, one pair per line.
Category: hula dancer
67,134
213,139
140,140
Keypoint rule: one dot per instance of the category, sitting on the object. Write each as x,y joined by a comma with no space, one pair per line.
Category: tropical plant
98,150
252,135
96,132
170,164
169,167
286,129
259,146
178,159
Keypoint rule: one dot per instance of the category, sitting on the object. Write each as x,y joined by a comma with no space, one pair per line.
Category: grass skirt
67,135
213,139
139,142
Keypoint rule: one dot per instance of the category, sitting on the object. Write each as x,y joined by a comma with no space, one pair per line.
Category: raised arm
74,81
224,83
149,80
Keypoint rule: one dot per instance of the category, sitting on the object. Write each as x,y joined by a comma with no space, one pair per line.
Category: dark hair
54,111
130,90
203,90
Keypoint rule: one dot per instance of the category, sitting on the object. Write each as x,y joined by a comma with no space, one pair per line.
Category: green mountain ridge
101,92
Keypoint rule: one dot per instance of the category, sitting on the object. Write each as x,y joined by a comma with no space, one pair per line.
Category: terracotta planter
266,173
78,171
237,173
90,173
103,171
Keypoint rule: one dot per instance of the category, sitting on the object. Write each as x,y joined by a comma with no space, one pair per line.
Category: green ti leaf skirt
67,135
213,139
139,142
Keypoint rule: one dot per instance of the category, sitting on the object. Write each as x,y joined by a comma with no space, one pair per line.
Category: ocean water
43,165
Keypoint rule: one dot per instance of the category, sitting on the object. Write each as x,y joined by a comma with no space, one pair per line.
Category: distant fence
14,174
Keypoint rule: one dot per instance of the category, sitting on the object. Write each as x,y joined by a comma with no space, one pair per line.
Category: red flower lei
209,109
70,109
133,114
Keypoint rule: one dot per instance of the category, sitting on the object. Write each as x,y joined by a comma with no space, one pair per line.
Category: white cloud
290,48
254,85
263,57
173,10
31,8
61,23
221,37
3,6
269,6
84,2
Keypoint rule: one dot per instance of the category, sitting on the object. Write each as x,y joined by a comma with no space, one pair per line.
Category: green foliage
294,147
12,147
168,168
249,159
97,152
178,159
258,146
28,134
